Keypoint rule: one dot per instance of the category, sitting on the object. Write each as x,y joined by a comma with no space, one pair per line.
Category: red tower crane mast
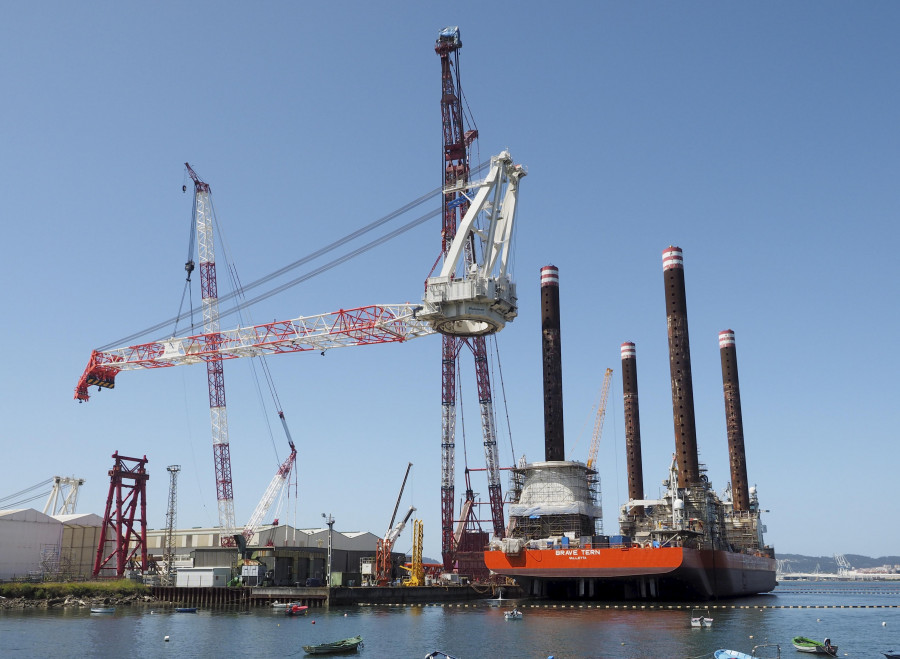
456,178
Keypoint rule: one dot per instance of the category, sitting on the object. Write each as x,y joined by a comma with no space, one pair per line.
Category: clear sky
762,138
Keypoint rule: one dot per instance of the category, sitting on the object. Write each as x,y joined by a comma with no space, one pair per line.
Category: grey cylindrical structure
632,425
554,439
680,369
740,492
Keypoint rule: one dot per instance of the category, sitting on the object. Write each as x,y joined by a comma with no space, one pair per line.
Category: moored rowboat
345,645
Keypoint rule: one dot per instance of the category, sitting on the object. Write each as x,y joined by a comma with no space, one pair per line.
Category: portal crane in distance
598,422
69,501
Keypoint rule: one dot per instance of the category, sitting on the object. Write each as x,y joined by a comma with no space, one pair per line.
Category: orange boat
690,543
635,572
669,553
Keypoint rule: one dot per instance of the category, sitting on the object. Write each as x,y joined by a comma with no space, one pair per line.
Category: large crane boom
368,325
348,327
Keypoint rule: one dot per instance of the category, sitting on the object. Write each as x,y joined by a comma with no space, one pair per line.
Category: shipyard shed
186,540
29,541
78,547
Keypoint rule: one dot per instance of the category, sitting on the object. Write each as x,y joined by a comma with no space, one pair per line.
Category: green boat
804,644
338,647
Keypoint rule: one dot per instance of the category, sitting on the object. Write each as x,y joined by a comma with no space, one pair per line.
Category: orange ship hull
632,572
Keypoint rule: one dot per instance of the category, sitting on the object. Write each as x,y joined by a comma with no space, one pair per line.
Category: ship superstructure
689,543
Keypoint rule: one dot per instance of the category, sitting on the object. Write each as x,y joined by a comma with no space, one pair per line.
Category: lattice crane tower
215,375
456,179
169,555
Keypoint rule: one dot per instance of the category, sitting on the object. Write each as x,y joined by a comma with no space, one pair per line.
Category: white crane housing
479,299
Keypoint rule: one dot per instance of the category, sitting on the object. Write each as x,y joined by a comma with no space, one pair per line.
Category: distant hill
801,563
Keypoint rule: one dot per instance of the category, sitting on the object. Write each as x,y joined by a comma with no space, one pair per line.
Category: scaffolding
557,500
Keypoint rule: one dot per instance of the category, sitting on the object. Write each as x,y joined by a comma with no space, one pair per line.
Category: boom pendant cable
303,261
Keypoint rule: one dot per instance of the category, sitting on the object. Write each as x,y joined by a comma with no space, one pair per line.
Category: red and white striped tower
680,369
554,437
203,215
740,493
632,425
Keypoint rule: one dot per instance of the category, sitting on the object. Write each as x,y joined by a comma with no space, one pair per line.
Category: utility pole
169,556
330,521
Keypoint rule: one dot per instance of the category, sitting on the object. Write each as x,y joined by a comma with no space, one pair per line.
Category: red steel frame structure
119,522
456,174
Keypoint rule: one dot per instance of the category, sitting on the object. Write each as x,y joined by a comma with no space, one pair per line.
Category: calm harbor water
862,618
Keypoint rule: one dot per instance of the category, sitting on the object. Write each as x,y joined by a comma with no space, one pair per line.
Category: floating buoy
345,615
166,639
313,622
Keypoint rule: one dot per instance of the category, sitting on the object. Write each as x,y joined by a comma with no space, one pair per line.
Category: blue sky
760,137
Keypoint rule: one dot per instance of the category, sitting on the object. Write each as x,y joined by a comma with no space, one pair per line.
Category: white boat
515,614
103,609
734,654
281,606
701,618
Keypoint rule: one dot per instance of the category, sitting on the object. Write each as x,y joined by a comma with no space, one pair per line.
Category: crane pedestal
473,306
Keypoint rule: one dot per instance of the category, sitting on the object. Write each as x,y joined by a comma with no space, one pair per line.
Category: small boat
701,618
296,610
439,654
804,644
515,614
734,654
890,654
346,645
186,609
103,609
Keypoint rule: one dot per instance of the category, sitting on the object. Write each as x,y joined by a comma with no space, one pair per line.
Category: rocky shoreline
73,601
